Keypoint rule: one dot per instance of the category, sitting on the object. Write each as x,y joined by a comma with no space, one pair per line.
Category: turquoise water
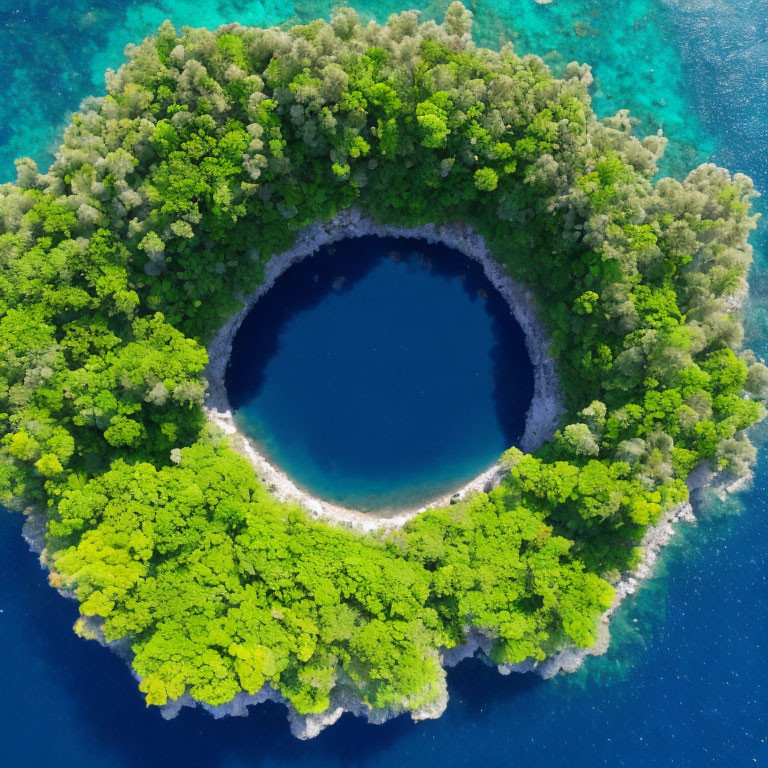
629,45
381,373
686,680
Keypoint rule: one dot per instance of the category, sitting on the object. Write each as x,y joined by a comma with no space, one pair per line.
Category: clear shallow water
629,45
686,680
381,373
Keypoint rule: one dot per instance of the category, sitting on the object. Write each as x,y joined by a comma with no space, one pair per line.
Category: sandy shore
544,412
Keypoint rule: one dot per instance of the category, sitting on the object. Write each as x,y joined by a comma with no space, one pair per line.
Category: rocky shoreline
542,420
544,413
566,660
343,700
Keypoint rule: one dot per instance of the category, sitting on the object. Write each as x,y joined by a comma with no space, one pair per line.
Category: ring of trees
209,153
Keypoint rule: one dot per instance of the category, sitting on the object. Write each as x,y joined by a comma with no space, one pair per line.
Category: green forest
167,197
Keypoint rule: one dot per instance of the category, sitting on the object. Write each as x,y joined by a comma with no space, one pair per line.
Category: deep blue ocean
381,373
685,682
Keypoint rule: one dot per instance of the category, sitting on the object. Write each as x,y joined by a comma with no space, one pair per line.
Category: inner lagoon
381,373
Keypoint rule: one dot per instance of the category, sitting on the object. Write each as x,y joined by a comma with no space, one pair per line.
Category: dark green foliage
209,153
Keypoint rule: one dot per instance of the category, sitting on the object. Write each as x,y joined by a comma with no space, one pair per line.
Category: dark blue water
685,684
381,373
686,680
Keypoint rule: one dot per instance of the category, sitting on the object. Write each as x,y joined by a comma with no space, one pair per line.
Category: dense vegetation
210,151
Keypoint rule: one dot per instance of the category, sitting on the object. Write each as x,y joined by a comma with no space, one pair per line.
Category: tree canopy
209,153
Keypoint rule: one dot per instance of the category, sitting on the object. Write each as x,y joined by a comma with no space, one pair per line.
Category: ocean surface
380,374
685,682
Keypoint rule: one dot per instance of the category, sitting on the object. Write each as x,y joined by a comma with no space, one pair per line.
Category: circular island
214,161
